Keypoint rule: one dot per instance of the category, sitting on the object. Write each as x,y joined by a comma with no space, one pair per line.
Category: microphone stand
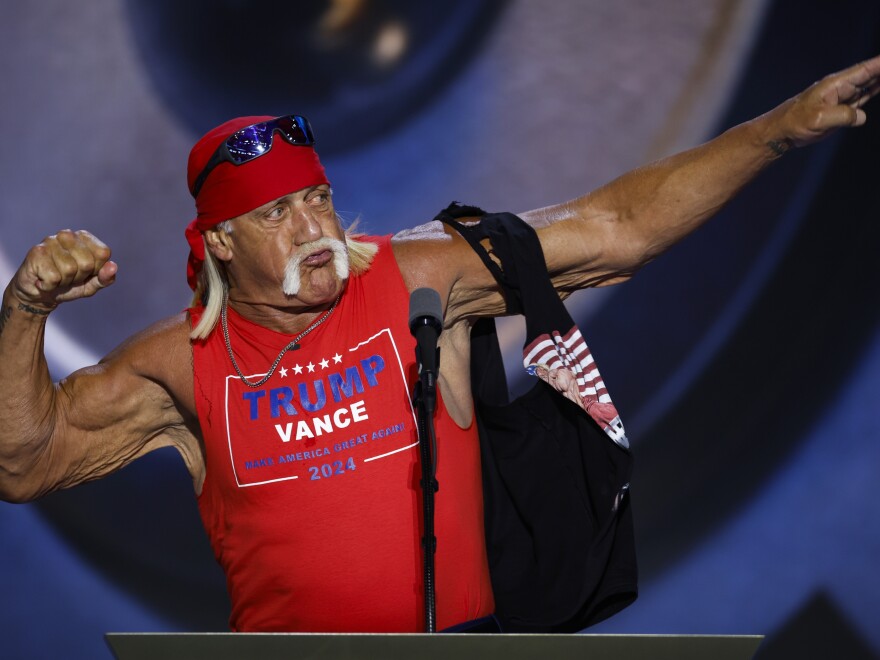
426,324
424,397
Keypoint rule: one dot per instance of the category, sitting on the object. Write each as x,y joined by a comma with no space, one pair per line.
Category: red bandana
232,190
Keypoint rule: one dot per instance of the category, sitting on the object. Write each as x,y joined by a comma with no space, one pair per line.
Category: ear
219,242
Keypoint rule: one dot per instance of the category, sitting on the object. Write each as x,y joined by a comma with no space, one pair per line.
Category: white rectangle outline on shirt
366,460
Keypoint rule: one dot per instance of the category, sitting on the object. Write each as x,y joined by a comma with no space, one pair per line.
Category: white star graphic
337,358
324,363
283,372
311,367
297,369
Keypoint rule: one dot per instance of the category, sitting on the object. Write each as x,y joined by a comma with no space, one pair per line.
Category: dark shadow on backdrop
362,67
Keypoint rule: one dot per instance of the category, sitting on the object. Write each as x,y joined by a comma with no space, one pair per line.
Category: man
286,387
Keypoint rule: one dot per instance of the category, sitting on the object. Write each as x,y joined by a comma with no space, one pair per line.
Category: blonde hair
212,283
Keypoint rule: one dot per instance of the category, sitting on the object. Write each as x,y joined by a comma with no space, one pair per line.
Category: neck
293,345
287,319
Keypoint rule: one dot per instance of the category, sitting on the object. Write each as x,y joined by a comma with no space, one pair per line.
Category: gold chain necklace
292,346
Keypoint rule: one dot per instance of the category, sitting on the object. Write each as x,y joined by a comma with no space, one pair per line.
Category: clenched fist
65,266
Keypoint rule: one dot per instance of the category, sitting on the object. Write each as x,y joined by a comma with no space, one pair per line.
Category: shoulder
160,355
166,334
436,256
431,250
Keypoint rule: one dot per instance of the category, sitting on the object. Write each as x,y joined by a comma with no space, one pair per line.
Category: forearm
607,235
27,396
648,210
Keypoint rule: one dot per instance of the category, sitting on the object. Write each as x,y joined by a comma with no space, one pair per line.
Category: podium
377,646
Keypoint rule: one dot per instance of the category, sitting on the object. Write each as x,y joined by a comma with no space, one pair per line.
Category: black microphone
425,324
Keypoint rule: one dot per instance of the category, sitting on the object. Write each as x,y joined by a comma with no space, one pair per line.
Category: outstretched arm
100,418
605,236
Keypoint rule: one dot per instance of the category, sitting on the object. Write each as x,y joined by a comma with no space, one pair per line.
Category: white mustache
292,278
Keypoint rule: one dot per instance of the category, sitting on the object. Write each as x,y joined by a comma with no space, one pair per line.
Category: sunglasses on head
255,140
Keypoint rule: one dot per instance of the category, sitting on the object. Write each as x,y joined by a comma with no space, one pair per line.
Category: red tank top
311,498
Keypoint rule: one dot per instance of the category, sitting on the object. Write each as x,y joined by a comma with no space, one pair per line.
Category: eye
276,213
318,198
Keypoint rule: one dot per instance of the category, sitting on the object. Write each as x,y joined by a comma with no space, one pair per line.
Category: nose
306,227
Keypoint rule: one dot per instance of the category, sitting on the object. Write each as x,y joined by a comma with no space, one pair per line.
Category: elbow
625,259
18,484
15,492
25,460
621,247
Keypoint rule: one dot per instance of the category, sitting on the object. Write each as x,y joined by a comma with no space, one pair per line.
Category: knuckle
84,237
50,279
101,251
39,250
95,245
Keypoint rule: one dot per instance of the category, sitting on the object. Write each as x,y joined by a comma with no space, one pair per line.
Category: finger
107,274
82,239
65,266
79,256
865,94
863,73
840,115
44,268
854,83
84,290
67,269
857,95
84,247
104,278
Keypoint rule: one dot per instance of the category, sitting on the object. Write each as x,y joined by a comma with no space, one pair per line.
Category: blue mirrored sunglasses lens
295,129
250,142
253,141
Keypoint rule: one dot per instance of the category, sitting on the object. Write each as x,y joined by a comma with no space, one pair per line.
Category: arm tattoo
5,313
779,147
33,310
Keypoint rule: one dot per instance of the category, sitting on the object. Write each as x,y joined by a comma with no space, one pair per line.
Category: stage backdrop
746,362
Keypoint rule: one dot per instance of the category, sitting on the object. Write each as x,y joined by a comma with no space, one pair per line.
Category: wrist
31,309
779,147
772,137
12,300
14,311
